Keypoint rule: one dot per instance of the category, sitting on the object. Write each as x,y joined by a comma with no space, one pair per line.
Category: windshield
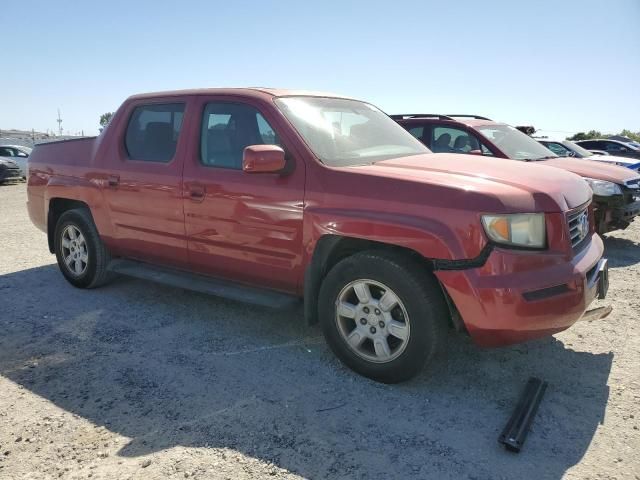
344,133
515,144
581,151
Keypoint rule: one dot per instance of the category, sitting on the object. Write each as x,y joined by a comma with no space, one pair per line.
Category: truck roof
244,91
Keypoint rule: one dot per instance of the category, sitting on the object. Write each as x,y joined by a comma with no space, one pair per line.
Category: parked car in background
627,140
612,147
616,189
567,148
9,170
19,154
271,195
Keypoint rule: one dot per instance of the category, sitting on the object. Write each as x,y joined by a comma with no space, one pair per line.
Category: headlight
603,188
520,230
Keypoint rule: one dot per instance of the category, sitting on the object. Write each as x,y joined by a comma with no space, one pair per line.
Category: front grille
578,226
9,172
633,184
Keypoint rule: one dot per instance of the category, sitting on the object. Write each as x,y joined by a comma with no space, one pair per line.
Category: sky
563,66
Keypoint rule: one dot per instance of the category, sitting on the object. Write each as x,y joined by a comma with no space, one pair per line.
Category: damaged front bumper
627,213
616,212
601,283
517,296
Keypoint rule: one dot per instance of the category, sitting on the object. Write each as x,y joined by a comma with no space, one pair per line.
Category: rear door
245,227
142,183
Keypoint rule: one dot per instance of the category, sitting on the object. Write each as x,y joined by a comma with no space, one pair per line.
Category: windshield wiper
539,159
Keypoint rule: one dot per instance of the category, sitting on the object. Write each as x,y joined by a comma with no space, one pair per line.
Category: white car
566,148
18,154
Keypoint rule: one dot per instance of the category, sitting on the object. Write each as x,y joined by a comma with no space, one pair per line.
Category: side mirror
263,159
475,152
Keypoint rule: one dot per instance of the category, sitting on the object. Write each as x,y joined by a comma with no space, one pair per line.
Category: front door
245,227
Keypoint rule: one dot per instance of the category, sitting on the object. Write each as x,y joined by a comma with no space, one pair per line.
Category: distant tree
632,135
586,136
104,119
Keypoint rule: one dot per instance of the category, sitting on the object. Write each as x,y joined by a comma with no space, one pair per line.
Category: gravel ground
137,380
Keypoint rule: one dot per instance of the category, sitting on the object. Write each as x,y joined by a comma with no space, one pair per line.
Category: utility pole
59,123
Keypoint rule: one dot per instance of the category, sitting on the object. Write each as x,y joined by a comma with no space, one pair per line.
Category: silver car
19,154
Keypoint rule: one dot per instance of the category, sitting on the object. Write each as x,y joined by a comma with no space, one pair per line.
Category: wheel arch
57,206
330,249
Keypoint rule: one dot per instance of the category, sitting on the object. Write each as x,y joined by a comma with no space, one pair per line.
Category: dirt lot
136,380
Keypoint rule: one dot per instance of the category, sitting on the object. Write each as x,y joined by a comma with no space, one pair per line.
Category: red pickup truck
269,196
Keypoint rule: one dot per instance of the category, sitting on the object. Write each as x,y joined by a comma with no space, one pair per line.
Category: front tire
383,316
82,257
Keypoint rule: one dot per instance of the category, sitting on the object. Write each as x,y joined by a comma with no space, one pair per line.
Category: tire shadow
167,367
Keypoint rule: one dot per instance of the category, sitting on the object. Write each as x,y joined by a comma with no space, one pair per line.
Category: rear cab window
153,131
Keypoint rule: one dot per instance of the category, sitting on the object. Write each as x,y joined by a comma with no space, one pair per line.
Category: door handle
113,181
196,192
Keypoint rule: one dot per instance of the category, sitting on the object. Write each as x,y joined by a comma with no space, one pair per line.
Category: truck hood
516,186
597,170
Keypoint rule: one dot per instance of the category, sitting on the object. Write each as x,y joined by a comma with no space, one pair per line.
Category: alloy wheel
74,250
372,320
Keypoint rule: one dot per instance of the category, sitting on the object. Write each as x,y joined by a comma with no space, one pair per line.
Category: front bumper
7,174
627,213
613,214
518,296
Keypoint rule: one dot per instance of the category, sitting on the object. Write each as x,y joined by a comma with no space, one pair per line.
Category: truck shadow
170,368
621,252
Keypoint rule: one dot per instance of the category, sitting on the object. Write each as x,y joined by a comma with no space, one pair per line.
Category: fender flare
431,240
77,190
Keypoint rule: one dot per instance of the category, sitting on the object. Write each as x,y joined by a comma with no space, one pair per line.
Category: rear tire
383,316
82,257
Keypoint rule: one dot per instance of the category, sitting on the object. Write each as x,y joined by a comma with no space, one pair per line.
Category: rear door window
153,131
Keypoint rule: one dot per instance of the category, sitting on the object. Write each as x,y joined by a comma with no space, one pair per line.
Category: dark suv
612,147
616,189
